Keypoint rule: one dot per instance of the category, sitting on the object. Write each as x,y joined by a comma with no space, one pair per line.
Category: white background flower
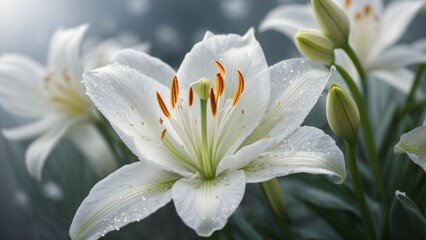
252,131
413,143
54,100
373,35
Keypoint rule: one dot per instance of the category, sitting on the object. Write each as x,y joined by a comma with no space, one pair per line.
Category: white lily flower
54,99
413,143
373,35
197,148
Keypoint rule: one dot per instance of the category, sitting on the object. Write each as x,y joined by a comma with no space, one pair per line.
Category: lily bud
274,195
315,45
333,21
342,113
202,88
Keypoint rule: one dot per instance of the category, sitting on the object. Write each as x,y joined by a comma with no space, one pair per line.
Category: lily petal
64,50
205,205
234,52
127,98
413,143
296,86
21,83
93,146
39,150
397,57
395,21
32,129
149,66
129,194
420,45
401,79
307,150
289,18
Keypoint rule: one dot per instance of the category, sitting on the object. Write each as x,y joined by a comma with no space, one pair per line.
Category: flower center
64,94
200,140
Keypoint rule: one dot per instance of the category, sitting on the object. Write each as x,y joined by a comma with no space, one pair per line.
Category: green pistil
206,161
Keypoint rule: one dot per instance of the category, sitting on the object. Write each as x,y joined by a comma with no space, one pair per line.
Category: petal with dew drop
205,205
149,66
129,194
307,150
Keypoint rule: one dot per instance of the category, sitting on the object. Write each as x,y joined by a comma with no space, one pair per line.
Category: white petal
397,57
395,21
308,150
288,19
245,155
93,146
149,66
208,35
64,51
130,194
127,99
413,143
296,86
21,83
39,150
420,45
205,205
401,78
234,52
32,129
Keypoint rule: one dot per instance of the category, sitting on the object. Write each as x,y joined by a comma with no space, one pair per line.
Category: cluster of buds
334,24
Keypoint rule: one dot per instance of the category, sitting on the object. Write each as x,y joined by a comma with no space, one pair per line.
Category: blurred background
33,210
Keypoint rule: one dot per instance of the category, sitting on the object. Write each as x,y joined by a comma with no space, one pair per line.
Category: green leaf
406,221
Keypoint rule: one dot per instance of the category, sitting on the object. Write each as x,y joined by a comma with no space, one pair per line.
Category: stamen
367,9
190,96
347,3
161,121
48,77
162,105
66,75
163,133
174,92
357,16
239,90
213,103
220,85
220,68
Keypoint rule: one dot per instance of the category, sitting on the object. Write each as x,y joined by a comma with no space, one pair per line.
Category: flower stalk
356,183
368,136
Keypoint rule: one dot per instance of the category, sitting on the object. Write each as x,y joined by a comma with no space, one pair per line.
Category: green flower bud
342,113
202,88
315,45
333,21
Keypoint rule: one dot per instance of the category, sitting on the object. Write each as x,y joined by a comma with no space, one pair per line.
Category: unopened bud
342,113
315,45
333,21
202,88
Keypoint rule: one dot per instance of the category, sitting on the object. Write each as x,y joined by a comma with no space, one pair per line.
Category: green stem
207,164
356,183
275,196
352,55
106,134
368,136
410,97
